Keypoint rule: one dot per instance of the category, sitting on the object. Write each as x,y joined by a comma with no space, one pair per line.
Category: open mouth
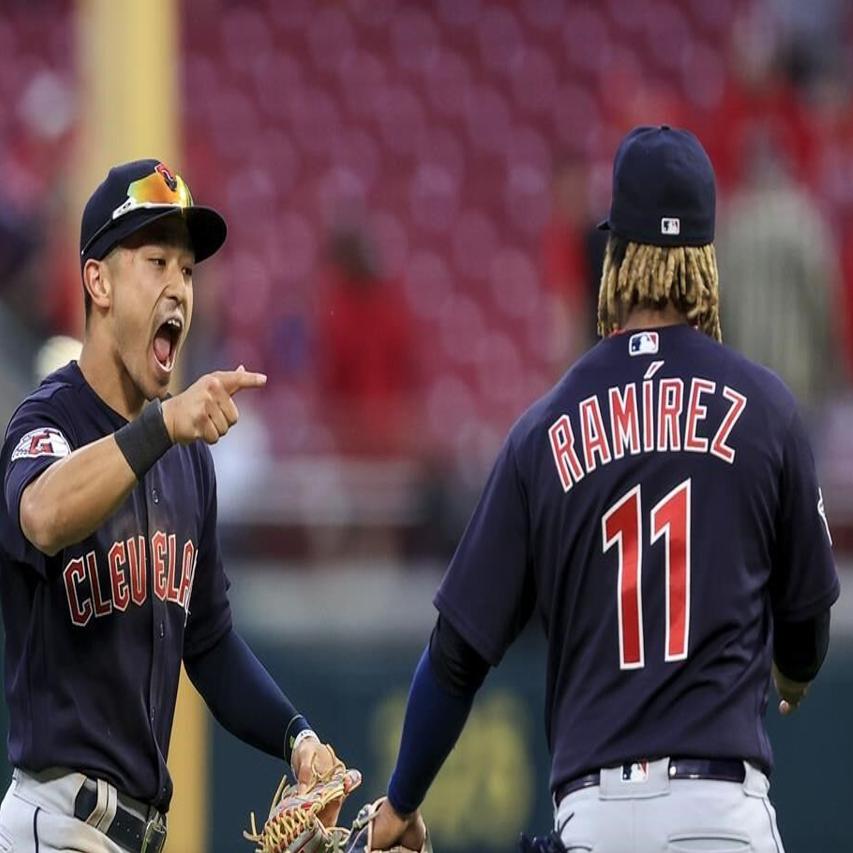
166,341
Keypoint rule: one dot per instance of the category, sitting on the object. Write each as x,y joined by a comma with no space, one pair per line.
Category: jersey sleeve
39,434
487,593
804,580
209,609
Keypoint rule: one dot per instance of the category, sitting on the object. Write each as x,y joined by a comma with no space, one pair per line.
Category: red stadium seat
534,82
501,40
415,39
449,83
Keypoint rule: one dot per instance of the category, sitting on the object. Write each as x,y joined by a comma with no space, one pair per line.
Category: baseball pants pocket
6,845
708,842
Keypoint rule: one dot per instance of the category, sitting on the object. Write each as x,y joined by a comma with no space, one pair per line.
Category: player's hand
312,760
206,409
791,692
391,828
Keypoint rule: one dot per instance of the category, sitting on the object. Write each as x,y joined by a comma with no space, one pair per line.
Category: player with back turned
110,571
658,511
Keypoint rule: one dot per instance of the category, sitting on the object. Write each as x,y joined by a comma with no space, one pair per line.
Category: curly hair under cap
639,274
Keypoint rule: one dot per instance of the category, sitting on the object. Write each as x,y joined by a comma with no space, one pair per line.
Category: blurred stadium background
411,188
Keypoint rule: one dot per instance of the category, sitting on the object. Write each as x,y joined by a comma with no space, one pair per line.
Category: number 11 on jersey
622,526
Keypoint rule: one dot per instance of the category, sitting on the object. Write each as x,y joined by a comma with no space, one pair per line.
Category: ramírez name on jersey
641,418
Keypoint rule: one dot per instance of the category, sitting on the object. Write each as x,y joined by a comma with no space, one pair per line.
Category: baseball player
110,571
658,511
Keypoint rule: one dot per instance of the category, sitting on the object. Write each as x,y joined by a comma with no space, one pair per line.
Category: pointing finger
236,380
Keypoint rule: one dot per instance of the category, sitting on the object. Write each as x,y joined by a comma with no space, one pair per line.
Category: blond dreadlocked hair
638,274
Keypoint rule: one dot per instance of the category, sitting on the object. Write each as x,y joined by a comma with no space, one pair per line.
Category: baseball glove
361,835
303,823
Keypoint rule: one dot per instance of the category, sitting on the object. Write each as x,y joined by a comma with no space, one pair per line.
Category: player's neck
104,371
641,317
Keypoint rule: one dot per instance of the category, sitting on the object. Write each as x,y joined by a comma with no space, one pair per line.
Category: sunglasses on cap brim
154,191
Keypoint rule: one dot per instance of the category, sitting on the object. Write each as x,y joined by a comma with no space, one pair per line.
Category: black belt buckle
155,837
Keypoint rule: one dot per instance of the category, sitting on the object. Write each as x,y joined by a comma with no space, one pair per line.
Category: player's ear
97,280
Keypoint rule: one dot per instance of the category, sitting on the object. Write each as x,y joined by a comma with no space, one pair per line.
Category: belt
127,830
716,769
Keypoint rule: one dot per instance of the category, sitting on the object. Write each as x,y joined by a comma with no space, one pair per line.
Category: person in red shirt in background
570,281
766,79
365,347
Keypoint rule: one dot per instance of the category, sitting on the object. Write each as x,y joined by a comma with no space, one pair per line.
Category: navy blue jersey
657,509
95,635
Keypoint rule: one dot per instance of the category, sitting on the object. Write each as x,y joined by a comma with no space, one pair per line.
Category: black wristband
145,440
296,725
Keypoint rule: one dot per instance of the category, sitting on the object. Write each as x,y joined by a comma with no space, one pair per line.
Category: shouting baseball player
110,571
659,512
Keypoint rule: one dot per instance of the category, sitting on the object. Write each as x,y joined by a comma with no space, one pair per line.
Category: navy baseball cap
664,192
136,194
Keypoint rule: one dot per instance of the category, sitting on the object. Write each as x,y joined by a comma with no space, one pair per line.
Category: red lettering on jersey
74,574
648,417
622,526
102,608
117,559
138,564
187,566
670,401
671,519
697,412
718,445
563,448
173,593
624,421
127,564
592,434
159,566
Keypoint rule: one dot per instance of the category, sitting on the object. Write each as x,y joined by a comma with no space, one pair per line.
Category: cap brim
207,231
604,225
206,226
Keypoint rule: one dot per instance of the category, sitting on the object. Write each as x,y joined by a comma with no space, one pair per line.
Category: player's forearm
446,680
74,496
243,697
434,720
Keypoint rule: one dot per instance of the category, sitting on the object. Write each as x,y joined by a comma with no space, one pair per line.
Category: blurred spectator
568,263
779,276
365,348
834,118
764,90
18,242
41,283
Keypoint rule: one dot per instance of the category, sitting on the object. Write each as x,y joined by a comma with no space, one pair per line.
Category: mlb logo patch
670,225
638,771
643,343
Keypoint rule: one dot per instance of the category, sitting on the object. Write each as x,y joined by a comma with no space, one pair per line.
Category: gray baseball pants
657,814
37,815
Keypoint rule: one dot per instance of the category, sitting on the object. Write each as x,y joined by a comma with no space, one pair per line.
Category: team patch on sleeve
42,442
